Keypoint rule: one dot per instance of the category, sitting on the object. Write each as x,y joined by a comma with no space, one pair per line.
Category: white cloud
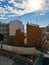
2,18
13,1
3,11
2,15
11,15
40,6
30,6
42,14
1,0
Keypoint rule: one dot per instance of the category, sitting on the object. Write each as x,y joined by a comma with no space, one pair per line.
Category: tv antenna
36,20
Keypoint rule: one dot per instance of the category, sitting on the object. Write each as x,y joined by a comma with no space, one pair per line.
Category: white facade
47,36
43,34
14,25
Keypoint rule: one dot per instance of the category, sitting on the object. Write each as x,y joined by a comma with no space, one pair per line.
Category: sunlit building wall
34,35
18,38
16,33
47,37
14,25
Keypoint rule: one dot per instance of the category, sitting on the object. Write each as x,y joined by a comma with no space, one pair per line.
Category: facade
4,29
25,38
47,36
47,39
34,35
18,38
16,33
43,34
14,25
12,40
43,38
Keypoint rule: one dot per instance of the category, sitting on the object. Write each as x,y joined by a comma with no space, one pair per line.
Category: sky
32,11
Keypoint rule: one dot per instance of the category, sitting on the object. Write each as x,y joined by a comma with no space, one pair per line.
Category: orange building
34,36
18,39
12,40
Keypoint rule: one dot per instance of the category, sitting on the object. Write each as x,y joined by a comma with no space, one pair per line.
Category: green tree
1,39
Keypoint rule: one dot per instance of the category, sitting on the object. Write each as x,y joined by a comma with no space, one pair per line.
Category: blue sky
25,10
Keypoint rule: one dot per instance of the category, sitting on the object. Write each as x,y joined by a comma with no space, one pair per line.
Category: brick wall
18,38
34,36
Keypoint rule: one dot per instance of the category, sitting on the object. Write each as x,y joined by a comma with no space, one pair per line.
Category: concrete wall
20,50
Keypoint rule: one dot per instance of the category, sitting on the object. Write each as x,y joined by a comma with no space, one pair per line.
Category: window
5,27
1,27
1,32
5,31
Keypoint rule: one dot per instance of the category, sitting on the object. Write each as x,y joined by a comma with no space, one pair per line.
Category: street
18,60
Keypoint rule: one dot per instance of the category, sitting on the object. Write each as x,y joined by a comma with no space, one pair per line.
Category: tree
1,38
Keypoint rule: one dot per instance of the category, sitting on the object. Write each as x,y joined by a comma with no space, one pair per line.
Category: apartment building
14,25
47,36
16,33
43,38
4,29
34,35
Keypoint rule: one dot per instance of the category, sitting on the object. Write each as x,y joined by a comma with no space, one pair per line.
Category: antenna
36,20
36,17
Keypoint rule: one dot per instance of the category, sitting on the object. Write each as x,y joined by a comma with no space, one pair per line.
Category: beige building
43,38
14,25
47,36
47,39
16,33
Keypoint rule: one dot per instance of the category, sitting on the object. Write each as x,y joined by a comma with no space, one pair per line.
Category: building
47,40
12,40
16,33
18,38
43,34
25,38
43,38
14,25
34,35
47,36
4,29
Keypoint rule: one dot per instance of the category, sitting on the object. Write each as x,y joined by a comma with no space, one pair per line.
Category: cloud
2,10
21,7
42,14
2,18
1,0
30,6
11,15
